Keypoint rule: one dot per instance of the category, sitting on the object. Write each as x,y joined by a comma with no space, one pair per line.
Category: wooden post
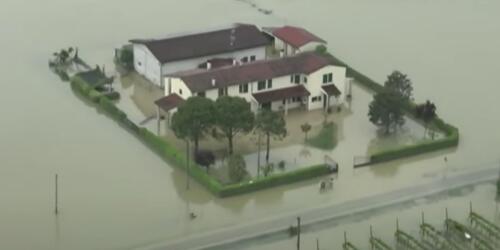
298,233
446,218
371,237
286,107
187,164
258,155
158,120
56,208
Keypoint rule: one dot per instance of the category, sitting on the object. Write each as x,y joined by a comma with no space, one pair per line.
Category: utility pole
56,208
298,233
187,164
317,244
258,155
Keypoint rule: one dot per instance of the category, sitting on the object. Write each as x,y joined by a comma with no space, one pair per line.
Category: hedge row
178,159
451,133
274,180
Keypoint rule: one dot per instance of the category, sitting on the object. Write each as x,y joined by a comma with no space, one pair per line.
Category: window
252,58
244,59
316,99
296,99
305,79
269,83
261,85
244,88
139,63
180,91
222,91
327,78
202,94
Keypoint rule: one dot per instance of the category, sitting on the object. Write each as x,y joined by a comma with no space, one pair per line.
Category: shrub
111,109
113,95
237,168
281,165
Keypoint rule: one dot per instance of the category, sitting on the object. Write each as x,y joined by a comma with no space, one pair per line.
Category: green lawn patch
326,138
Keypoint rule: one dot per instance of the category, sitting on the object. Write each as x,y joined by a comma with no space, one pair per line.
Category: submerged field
115,193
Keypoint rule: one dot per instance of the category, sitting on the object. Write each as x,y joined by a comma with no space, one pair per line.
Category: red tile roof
204,44
169,102
295,36
280,94
201,80
331,89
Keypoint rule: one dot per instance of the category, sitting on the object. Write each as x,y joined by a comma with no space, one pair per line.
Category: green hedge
451,132
274,180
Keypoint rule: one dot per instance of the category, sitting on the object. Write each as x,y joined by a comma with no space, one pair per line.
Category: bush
237,168
281,165
111,109
112,95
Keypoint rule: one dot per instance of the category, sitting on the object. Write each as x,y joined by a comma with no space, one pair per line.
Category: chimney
209,65
213,82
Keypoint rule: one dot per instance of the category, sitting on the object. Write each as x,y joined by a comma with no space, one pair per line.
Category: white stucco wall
178,87
171,67
315,81
146,64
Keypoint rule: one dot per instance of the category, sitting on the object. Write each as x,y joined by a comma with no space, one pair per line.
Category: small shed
290,40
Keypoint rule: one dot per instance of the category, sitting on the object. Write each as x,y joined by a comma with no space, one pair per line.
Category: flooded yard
116,194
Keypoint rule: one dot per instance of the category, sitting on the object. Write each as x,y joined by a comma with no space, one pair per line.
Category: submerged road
233,235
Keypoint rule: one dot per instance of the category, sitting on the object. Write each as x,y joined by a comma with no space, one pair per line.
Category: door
266,105
325,101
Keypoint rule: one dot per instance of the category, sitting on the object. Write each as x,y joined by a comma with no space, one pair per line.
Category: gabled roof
202,80
169,102
295,36
331,90
280,94
245,36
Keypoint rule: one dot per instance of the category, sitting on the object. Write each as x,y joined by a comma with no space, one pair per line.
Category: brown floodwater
116,194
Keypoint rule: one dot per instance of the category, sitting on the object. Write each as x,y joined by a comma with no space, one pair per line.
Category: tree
64,56
193,119
386,110
270,124
400,84
233,116
237,168
426,111
306,127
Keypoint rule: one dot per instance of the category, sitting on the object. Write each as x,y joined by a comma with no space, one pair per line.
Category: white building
157,58
307,80
290,40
